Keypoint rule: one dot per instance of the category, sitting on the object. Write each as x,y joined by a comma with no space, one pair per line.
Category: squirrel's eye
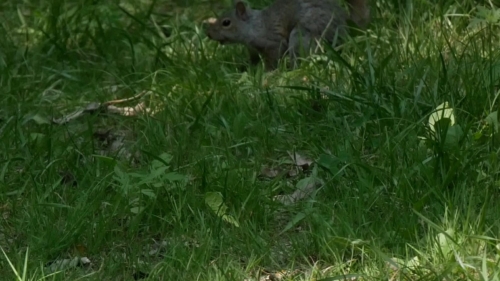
226,22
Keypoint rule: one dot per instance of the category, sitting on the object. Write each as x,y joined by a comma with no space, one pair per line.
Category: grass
180,194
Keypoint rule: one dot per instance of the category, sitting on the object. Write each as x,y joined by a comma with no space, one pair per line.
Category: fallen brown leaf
302,161
129,111
139,95
269,172
300,193
107,107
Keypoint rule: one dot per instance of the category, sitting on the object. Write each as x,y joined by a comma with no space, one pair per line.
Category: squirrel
286,26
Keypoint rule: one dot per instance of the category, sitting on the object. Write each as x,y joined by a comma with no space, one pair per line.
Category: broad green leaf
492,120
303,183
397,262
442,111
166,157
453,135
329,162
155,164
148,192
414,263
173,176
215,201
120,176
39,119
136,210
445,243
231,220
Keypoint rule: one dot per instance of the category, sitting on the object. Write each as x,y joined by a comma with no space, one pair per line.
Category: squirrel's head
231,26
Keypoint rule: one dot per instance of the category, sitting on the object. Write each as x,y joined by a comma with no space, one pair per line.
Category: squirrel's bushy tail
359,11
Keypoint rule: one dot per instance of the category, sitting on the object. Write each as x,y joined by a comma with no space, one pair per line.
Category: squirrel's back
315,16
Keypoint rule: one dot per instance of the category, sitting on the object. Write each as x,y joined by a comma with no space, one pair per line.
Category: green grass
397,200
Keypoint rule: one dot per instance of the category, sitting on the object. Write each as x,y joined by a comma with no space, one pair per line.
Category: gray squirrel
286,26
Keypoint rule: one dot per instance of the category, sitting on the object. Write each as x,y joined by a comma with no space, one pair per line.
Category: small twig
139,95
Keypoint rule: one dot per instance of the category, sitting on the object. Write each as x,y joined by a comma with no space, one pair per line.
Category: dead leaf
190,242
139,95
68,263
303,191
157,247
280,275
269,172
69,117
108,107
5,210
301,161
129,111
112,88
117,144
92,107
114,142
292,173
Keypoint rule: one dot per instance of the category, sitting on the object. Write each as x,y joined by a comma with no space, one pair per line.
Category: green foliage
401,129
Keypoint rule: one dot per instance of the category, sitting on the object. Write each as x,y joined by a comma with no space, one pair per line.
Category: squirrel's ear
241,9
